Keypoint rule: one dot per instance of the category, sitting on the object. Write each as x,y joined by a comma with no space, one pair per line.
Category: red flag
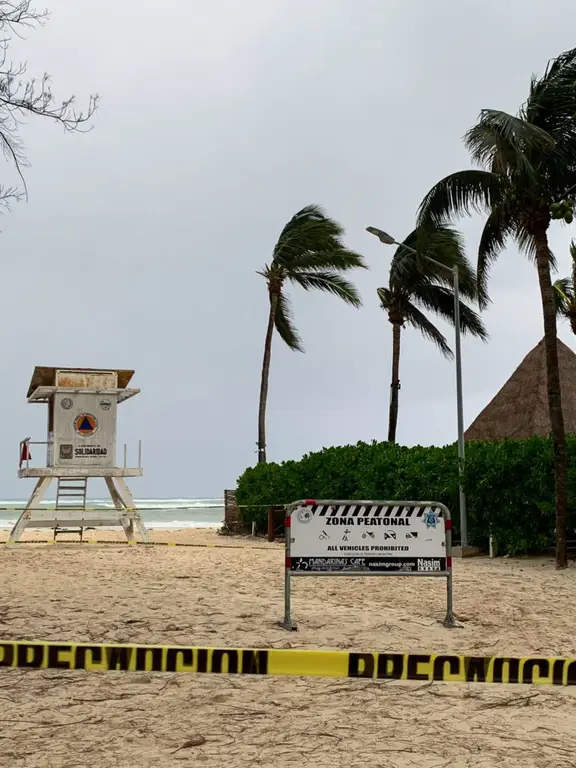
25,454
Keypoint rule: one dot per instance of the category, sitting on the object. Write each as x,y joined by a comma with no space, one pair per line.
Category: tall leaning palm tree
309,253
565,289
416,285
527,170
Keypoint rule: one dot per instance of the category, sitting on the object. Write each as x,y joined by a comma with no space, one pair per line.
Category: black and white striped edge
372,510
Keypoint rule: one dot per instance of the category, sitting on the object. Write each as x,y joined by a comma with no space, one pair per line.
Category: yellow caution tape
445,668
142,544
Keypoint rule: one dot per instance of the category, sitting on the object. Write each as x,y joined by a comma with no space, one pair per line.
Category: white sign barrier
368,538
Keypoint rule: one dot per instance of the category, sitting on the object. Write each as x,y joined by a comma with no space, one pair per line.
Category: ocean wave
156,513
179,503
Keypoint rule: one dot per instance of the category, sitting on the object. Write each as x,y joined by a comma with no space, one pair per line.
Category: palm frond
526,242
527,245
565,289
445,246
440,300
499,226
471,322
386,297
411,259
340,259
418,320
560,67
330,282
563,295
551,105
573,267
284,323
551,102
460,194
573,251
309,230
506,143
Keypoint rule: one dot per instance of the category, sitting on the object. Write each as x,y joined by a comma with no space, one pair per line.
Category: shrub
509,485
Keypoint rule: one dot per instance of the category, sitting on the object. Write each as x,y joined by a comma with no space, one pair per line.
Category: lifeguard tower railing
28,469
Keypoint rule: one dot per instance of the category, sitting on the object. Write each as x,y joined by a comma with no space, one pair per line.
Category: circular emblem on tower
66,403
85,424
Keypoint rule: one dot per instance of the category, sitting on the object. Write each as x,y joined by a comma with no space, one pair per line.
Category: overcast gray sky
219,120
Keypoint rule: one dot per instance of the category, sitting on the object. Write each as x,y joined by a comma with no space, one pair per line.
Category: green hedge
509,485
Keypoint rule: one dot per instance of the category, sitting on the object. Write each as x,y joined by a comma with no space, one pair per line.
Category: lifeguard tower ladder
82,407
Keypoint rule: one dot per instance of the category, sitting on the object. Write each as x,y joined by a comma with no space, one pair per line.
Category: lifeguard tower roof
45,381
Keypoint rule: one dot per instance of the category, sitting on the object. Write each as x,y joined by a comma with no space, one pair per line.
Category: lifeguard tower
82,407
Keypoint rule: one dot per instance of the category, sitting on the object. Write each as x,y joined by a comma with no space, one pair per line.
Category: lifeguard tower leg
121,507
33,503
128,500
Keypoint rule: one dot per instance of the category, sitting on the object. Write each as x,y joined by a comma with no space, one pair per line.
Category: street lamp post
387,239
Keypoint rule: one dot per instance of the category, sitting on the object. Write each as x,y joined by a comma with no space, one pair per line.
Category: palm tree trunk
395,384
264,380
554,395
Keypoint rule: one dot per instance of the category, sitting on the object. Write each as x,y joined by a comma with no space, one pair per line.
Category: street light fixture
387,239
384,237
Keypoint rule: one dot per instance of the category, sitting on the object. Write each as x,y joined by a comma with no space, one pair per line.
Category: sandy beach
231,595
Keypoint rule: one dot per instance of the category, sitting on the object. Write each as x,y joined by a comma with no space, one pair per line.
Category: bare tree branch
20,14
21,96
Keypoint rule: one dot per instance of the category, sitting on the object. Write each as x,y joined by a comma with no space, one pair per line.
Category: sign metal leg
450,620
287,622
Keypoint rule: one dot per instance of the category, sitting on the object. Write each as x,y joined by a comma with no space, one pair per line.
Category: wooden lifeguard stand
82,416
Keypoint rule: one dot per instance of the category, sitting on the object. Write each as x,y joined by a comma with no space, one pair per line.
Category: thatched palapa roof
520,409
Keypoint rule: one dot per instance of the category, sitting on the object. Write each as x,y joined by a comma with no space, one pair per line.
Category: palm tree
416,284
565,289
309,253
527,170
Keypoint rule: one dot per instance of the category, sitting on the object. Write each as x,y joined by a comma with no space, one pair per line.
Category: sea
156,513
